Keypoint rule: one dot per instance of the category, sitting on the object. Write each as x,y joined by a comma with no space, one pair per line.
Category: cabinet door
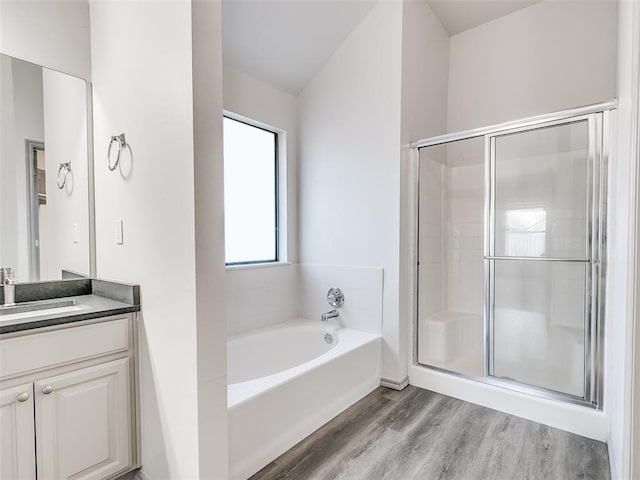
17,442
83,427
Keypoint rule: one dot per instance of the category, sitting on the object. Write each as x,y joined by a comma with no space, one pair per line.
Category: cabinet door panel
83,427
17,443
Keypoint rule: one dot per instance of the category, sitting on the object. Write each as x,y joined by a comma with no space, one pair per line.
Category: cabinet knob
23,397
47,390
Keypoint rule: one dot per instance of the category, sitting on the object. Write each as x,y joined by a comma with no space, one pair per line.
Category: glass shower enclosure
510,254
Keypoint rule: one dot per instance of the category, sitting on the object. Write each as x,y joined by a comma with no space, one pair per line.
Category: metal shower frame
598,120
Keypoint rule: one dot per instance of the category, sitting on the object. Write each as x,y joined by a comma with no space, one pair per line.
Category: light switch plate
119,233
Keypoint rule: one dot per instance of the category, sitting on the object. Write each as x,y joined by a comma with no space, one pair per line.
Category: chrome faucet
8,281
331,314
335,298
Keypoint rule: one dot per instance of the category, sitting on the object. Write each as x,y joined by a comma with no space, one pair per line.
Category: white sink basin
38,309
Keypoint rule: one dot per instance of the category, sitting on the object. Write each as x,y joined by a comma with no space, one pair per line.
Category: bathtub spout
326,316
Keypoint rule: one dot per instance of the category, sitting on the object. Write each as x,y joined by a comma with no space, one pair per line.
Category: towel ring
121,142
63,171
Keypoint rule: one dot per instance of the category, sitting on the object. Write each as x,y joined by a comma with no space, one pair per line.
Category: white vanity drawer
34,351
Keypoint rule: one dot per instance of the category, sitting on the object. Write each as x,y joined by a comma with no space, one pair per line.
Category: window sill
257,265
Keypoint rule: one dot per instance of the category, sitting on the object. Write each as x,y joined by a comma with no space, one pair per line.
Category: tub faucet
8,282
331,314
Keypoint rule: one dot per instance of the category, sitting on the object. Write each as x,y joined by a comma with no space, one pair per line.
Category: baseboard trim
394,384
613,470
140,475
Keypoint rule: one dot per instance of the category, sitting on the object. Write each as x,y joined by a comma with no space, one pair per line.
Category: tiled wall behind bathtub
362,287
263,296
259,297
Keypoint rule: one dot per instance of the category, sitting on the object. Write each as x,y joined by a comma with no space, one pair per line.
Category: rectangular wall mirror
45,175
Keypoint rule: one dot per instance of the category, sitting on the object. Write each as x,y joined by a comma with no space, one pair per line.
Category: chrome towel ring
63,171
121,143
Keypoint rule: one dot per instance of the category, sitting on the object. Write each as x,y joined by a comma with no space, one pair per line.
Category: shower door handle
544,259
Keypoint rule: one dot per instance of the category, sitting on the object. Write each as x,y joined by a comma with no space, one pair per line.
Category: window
250,193
526,232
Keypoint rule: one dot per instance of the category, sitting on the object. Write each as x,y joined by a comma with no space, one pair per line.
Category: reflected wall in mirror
44,174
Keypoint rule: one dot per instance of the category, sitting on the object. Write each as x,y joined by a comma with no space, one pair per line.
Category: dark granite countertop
94,298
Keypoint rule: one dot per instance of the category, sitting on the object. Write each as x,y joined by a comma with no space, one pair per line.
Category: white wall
425,71
164,198
22,119
262,296
623,171
206,20
51,33
350,162
547,57
65,138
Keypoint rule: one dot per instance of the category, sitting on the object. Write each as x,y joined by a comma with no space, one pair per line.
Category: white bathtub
285,382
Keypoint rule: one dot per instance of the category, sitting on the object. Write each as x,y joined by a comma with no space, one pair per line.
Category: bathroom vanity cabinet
68,400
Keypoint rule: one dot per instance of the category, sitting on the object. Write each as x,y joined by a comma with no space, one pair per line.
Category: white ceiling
460,15
286,42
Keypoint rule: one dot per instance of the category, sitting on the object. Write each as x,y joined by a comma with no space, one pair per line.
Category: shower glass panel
539,267
450,264
541,192
539,324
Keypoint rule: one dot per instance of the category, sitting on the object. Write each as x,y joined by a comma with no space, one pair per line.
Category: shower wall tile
464,239
431,238
465,193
